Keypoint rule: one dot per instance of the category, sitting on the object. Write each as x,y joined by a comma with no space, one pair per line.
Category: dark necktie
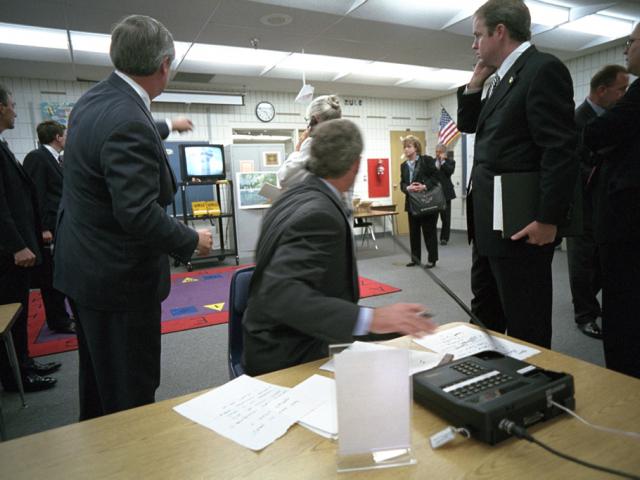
60,160
494,83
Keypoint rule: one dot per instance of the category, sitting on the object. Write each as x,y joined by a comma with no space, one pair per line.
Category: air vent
193,77
276,19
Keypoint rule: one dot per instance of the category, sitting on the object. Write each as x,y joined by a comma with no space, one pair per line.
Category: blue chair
238,298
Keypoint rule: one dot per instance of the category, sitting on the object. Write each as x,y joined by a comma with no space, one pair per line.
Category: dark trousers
428,225
445,218
119,358
514,295
620,262
53,300
14,288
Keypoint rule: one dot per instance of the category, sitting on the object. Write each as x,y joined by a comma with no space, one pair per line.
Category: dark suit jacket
526,125
444,177
425,173
113,234
19,219
46,174
616,134
304,291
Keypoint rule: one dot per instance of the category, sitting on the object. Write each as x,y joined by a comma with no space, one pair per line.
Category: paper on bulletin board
246,166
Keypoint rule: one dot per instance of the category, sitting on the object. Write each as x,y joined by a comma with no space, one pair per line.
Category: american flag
448,129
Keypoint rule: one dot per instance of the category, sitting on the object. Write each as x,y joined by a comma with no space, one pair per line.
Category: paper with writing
462,341
248,411
498,223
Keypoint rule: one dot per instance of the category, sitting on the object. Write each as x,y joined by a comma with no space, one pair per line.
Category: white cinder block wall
375,116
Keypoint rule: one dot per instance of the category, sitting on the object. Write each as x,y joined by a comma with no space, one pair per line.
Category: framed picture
271,159
249,186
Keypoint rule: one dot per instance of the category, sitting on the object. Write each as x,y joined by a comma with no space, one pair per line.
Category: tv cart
225,219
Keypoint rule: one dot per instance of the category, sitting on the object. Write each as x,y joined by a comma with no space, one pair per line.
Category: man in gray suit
114,236
304,291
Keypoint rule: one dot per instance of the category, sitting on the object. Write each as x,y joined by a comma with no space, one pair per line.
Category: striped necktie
494,83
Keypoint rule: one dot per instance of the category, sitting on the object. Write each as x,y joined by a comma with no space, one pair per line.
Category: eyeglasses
629,41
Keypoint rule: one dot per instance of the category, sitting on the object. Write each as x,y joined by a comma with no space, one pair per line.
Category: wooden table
155,442
364,215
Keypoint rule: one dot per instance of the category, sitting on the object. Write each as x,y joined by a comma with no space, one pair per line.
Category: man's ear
165,66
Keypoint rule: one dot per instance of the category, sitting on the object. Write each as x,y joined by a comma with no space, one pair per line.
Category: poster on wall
58,112
249,186
271,159
378,174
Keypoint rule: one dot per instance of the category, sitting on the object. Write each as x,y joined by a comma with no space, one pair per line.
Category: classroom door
397,196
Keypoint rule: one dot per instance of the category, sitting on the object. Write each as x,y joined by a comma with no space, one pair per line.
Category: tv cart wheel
221,258
189,267
237,261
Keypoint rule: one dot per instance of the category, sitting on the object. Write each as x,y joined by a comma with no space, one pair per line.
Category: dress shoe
37,368
69,327
443,242
411,264
430,265
591,329
32,383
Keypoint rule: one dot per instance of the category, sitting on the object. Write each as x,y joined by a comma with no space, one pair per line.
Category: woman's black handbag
427,202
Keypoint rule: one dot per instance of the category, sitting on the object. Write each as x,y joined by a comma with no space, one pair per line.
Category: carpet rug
197,299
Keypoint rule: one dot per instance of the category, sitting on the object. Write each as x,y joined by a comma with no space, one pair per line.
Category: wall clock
265,111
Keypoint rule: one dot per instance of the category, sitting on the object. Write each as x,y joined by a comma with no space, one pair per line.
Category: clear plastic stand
373,391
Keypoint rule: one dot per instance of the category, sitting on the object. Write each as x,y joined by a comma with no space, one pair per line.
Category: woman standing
293,170
419,172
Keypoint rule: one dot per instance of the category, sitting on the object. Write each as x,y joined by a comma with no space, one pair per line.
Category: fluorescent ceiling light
600,25
393,70
33,36
320,63
547,14
440,6
90,42
218,54
262,138
202,98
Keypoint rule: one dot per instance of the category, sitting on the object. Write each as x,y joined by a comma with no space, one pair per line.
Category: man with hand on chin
525,123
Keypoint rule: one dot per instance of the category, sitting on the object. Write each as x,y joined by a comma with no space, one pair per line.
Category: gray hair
5,93
336,146
325,107
441,146
139,45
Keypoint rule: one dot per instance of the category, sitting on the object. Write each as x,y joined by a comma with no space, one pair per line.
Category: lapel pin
510,80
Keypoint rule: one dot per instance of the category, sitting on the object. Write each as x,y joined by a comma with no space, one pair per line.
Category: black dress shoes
411,264
591,329
32,383
443,242
430,265
38,368
69,327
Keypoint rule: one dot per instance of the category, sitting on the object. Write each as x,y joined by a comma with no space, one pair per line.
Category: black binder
520,195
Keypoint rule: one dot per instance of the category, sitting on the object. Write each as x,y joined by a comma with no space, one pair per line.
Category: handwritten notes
462,341
250,412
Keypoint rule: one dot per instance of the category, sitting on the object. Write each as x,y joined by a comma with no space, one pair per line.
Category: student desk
155,442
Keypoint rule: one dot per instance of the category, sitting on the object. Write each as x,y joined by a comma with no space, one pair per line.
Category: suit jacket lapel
505,85
56,165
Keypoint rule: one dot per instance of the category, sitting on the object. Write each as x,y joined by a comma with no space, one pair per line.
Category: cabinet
225,240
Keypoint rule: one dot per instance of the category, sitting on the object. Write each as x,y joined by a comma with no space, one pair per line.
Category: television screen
202,163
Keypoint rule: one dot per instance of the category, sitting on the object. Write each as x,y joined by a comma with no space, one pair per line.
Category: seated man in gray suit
304,292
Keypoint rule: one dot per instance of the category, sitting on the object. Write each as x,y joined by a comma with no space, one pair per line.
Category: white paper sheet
323,420
418,361
250,412
463,340
497,203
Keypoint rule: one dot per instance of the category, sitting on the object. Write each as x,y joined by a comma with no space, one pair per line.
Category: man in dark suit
446,166
304,291
616,135
525,124
20,251
607,87
113,233
45,169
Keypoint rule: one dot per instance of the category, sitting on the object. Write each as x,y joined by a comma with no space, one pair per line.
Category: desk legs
13,360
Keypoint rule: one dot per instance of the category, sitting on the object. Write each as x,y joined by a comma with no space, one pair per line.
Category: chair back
238,298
